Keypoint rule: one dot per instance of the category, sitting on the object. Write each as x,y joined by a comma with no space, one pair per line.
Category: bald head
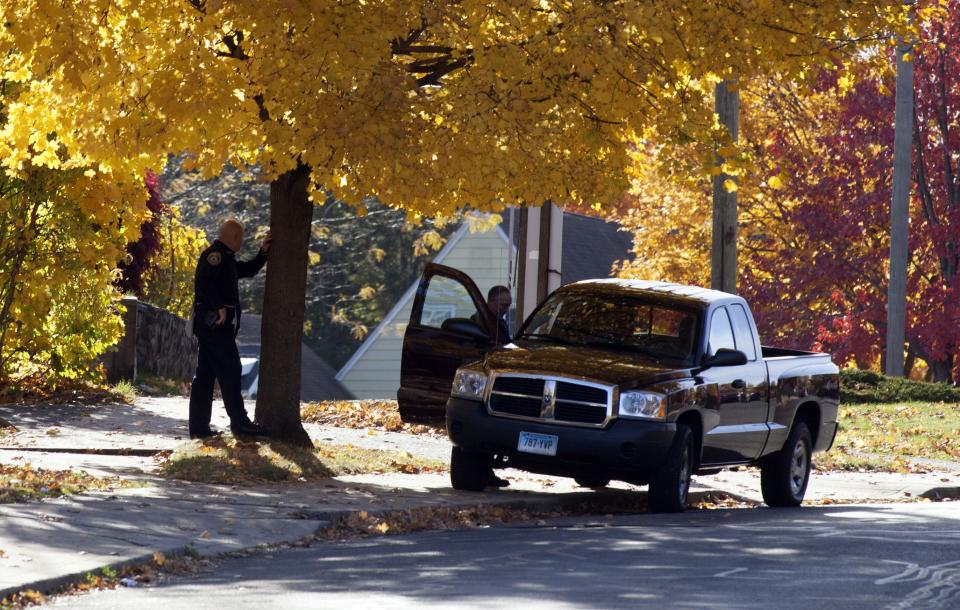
231,234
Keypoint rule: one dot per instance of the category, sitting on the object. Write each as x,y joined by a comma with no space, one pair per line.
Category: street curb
58,584
118,452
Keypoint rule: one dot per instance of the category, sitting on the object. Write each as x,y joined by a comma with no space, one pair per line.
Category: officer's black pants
218,360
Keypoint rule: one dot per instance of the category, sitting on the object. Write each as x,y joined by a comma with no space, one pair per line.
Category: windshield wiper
547,337
628,348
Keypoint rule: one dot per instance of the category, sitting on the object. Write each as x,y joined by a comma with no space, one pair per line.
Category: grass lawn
908,429
225,460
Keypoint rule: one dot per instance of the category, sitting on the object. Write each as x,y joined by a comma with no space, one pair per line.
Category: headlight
469,384
643,405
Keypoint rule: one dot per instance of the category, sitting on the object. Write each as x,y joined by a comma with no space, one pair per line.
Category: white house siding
376,373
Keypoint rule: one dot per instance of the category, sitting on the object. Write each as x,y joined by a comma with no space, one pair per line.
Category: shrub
858,386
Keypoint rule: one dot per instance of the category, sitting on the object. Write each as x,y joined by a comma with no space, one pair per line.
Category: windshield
617,322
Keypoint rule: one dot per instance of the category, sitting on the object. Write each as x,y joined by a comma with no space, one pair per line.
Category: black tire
785,474
592,482
671,483
468,471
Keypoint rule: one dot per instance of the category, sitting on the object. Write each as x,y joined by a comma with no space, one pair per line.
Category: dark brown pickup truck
644,382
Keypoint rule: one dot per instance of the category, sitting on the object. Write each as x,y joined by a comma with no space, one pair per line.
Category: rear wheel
468,471
671,483
784,476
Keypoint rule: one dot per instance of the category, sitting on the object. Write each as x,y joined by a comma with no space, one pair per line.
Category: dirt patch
226,460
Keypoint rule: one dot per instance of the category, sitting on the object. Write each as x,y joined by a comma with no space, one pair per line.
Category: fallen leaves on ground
365,414
925,430
23,482
108,578
364,523
29,392
226,460
842,458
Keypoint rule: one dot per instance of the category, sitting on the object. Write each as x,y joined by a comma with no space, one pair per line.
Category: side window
742,331
721,335
446,299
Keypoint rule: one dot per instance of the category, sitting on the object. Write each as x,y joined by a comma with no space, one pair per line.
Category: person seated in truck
499,301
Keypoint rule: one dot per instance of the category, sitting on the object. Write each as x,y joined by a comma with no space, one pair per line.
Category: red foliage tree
140,253
823,284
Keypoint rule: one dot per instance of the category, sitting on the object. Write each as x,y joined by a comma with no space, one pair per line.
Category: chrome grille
545,398
581,393
525,386
516,405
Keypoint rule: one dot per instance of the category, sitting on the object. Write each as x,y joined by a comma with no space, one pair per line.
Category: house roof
590,248
398,306
317,378
591,245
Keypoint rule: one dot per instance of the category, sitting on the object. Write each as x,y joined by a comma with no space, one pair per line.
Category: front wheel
784,476
468,471
671,483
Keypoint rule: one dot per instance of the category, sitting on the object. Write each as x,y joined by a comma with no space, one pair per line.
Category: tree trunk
941,370
281,333
910,362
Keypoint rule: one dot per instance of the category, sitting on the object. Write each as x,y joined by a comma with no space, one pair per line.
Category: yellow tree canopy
428,105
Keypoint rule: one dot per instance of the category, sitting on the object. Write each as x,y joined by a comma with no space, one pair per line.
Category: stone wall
156,342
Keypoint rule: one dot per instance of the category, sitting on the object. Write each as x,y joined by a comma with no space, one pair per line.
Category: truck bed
781,352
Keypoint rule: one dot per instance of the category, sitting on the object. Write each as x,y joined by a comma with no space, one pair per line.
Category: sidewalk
54,542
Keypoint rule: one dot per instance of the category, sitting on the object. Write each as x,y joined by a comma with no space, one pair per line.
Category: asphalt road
880,556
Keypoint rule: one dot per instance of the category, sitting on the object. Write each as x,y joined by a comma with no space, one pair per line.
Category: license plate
541,444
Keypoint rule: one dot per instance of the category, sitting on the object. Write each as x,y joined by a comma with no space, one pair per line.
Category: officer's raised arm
251,267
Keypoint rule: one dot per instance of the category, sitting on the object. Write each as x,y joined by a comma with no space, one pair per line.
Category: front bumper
625,450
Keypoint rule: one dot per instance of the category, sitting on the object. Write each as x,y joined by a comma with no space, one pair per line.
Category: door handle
739,384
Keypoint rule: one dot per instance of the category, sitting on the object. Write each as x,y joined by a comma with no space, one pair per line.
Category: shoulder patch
213,258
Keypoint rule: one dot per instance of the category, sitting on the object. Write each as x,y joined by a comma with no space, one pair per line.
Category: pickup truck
638,381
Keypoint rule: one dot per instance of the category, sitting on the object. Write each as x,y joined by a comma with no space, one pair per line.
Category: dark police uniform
215,286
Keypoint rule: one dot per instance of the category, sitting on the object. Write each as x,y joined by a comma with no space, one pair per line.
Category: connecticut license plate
542,444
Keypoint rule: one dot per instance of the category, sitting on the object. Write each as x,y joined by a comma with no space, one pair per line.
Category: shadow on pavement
818,557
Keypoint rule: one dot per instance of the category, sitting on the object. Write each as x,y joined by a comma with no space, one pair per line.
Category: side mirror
724,357
467,327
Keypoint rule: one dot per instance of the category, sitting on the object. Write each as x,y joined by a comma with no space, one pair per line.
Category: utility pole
540,256
723,254
900,212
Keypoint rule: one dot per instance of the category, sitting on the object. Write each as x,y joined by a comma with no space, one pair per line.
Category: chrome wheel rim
799,467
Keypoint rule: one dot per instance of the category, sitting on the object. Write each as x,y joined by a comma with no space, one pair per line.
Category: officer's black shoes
248,429
208,433
494,481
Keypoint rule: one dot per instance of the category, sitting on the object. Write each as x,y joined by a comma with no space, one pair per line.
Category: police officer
216,320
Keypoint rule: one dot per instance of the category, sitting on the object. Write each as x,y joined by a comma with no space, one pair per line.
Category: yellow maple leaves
430,106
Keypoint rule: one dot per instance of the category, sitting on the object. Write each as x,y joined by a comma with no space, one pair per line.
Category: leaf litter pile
431,518
227,460
366,414
23,483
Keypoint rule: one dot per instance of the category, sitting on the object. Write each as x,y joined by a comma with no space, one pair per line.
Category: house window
446,299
